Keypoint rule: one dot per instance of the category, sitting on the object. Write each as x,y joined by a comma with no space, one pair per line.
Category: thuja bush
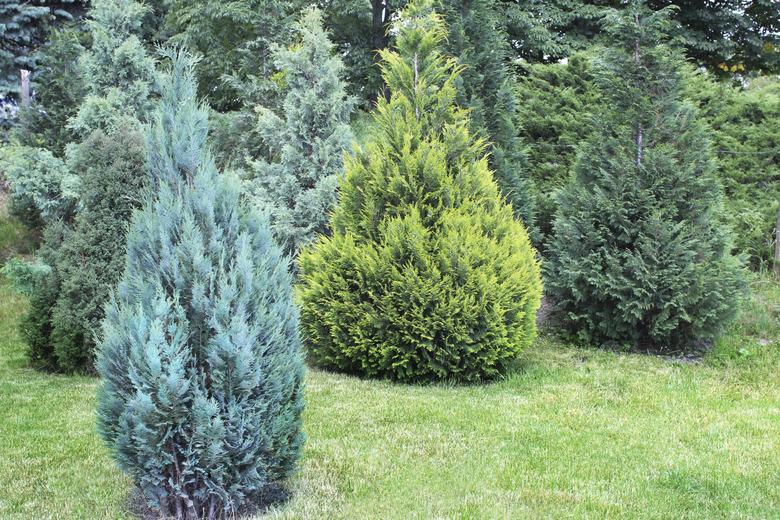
427,276
90,260
639,256
200,356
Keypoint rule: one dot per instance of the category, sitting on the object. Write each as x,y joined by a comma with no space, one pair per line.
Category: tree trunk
25,88
380,15
777,243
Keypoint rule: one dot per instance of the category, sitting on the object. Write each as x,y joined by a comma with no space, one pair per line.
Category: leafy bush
235,41
427,276
639,255
200,352
307,143
24,275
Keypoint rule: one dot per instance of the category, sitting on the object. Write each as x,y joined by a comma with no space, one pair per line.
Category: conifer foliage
298,186
91,256
117,70
427,276
638,255
477,36
200,352
107,167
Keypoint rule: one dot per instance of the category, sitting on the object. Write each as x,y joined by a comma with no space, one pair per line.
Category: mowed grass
572,433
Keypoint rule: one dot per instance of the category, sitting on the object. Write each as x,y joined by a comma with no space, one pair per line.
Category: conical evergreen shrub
90,258
307,143
639,255
102,176
200,356
427,276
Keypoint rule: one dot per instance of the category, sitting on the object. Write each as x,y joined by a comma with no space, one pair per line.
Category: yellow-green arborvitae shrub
427,275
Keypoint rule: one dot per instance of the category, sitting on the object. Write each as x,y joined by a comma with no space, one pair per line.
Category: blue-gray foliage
298,187
200,352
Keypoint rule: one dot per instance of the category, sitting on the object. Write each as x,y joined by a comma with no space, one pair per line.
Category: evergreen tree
427,275
557,100
477,37
639,255
36,325
110,163
308,142
200,352
59,92
117,70
91,257
235,38
745,129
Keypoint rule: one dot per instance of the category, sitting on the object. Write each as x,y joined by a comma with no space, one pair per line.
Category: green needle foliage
118,73
308,142
91,258
107,166
428,276
200,352
477,37
639,255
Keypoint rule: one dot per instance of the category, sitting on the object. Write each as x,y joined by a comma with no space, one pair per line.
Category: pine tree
427,275
639,256
200,352
299,185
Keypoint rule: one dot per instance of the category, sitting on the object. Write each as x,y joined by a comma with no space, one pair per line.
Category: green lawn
573,433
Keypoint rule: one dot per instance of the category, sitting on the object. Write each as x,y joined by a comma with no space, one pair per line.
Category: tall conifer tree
110,163
200,352
308,142
639,255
